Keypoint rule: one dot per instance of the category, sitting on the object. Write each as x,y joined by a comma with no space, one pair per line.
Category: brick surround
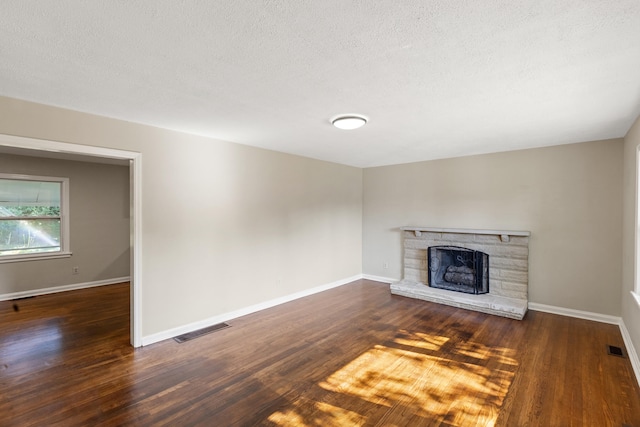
508,268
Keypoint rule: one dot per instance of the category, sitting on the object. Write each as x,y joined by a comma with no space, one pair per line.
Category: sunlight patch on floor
414,383
310,413
427,386
421,340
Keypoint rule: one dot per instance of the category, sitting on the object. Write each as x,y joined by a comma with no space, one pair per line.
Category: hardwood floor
354,355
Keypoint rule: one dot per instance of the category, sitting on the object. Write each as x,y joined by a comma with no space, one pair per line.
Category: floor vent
615,351
200,332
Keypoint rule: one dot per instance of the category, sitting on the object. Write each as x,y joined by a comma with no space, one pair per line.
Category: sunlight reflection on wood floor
416,385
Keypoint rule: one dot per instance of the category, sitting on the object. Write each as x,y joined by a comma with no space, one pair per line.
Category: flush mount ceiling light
349,121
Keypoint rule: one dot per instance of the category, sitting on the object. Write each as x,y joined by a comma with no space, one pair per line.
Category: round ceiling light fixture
349,121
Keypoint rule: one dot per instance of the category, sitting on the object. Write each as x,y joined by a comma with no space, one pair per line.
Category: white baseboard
174,332
63,288
379,278
631,351
597,317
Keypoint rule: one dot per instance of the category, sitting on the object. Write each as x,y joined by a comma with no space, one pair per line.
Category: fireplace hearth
458,269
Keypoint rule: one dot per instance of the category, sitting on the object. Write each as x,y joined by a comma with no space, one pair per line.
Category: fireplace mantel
467,231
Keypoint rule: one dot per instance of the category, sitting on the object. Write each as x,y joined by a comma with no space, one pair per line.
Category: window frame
65,248
636,256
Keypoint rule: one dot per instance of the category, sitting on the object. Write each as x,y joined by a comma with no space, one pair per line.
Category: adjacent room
293,213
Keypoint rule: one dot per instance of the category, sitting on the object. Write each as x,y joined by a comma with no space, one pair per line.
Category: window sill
35,257
636,297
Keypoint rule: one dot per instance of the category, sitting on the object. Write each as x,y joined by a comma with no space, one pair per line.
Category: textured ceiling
436,78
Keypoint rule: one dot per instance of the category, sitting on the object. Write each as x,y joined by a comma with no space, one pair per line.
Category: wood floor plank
354,355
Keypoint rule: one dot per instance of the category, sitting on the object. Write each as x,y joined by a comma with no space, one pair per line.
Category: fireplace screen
458,269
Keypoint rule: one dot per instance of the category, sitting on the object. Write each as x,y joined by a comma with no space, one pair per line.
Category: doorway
62,150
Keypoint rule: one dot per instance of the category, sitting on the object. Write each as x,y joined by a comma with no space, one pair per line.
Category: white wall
569,197
630,309
224,226
99,226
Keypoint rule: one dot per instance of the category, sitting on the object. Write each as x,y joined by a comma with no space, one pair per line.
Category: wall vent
200,332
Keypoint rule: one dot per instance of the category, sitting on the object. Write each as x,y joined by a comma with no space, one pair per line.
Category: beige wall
568,196
224,226
630,309
99,227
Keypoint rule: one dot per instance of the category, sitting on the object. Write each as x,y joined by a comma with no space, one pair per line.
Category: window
33,217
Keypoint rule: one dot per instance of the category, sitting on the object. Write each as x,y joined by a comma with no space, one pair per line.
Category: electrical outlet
385,265
74,270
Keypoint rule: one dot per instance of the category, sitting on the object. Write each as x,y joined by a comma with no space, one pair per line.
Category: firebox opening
458,269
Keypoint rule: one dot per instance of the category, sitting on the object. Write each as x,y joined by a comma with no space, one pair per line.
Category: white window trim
636,260
636,296
65,247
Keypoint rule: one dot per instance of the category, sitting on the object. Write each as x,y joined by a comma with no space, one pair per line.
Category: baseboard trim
170,333
631,351
587,315
63,288
379,278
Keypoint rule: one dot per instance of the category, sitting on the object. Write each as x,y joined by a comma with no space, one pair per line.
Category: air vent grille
200,332
615,351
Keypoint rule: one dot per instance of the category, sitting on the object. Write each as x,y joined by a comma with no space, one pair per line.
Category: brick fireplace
508,259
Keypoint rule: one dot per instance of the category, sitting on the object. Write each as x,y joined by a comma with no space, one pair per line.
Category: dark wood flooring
351,356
